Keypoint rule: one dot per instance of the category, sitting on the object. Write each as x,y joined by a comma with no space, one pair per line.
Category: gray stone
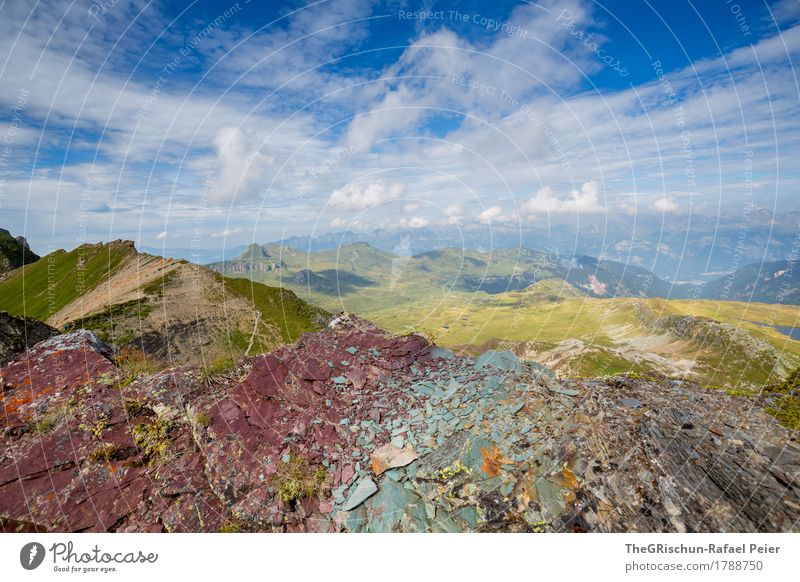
364,490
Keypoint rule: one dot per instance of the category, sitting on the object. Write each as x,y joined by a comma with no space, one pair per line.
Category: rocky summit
353,429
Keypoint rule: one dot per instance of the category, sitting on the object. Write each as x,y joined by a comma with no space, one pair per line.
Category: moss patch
153,440
296,479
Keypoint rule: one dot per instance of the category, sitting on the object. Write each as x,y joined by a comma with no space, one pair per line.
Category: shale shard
354,429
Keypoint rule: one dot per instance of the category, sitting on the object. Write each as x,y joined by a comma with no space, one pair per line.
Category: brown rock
390,457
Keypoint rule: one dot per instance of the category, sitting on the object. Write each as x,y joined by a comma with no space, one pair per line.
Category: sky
211,124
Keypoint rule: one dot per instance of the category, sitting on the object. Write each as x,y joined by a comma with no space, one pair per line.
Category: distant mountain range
689,249
682,249
775,282
581,316
339,271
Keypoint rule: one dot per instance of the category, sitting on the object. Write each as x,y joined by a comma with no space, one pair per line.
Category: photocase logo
31,555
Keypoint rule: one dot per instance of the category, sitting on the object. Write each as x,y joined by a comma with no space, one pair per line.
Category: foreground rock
392,433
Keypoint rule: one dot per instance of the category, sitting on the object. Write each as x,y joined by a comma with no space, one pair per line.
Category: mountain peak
14,252
254,252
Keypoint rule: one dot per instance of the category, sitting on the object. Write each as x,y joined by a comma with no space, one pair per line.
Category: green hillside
41,289
291,315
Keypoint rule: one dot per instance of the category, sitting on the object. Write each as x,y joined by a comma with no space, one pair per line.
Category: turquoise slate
365,488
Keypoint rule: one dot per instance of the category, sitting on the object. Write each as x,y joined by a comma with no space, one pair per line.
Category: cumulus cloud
415,222
490,215
453,213
240,165
359,196
188,137
161,235
586,200
666,205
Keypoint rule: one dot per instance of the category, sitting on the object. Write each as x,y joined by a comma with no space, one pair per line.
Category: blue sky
219,123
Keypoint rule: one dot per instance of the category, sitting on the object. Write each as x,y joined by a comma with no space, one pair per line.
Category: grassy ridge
41,289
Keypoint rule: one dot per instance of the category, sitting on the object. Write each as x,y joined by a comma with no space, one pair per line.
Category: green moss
104,453
787,411
786,404
296,479
203,418
134,408
154,440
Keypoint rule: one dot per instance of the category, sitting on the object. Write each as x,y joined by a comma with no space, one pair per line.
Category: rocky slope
353,429
20,333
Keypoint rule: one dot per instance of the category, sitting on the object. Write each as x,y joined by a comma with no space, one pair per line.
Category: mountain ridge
172,311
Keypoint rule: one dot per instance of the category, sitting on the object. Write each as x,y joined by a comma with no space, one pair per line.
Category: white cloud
786,11
161,235
491,214
241,165
360,196
338,223
585,200
666,205
228,232
410,207
414,222
453,213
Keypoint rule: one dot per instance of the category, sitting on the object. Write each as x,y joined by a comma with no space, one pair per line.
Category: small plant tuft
134,408
104,453
231,527
296,479
50,419
153,439
218,367
134,363
203,418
